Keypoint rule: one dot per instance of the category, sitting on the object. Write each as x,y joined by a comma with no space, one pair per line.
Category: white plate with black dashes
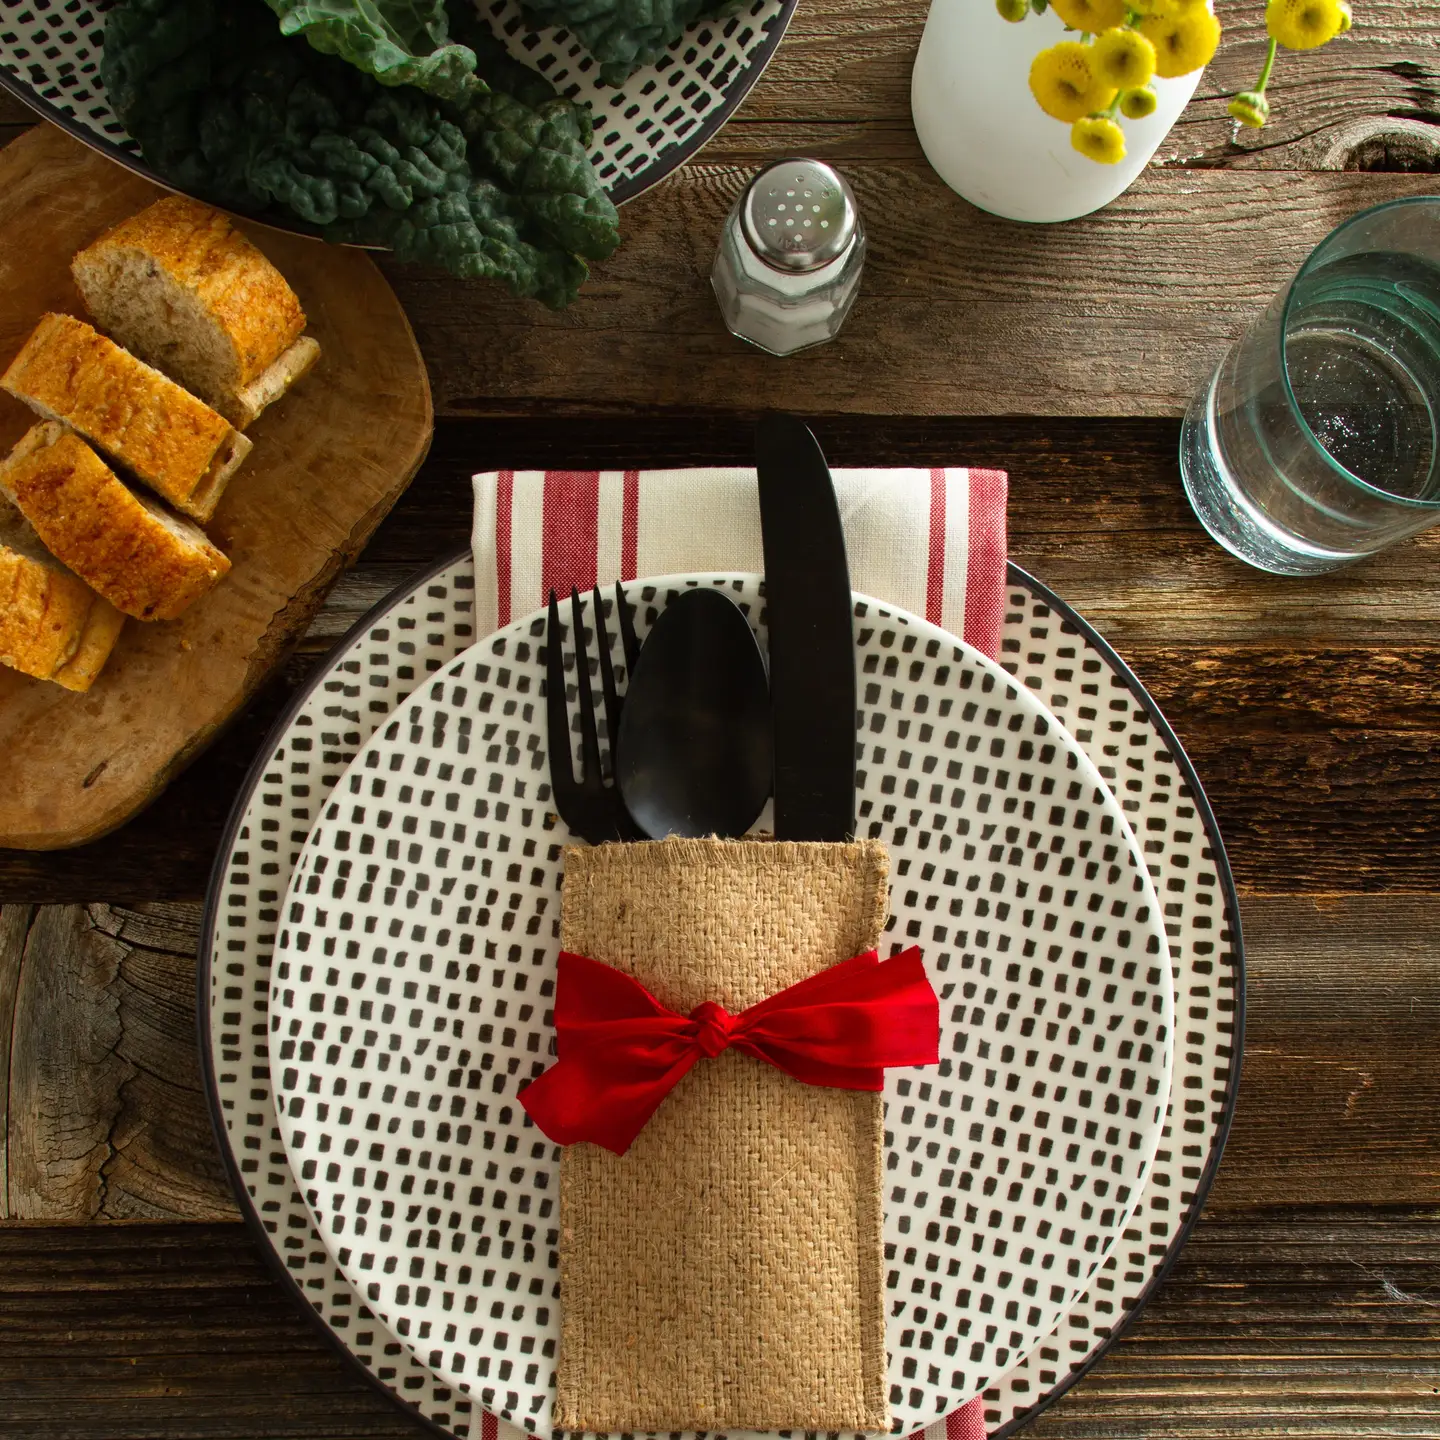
417,950
1048,647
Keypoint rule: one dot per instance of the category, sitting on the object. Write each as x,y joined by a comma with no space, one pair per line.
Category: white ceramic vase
987,138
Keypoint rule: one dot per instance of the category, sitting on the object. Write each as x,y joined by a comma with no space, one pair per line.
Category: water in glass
1317,440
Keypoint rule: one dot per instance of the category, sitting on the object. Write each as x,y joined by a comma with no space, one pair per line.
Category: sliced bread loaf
183,289
163,435
52,625
145,561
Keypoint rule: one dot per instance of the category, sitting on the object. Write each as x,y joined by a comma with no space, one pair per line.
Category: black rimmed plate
50,59
423,625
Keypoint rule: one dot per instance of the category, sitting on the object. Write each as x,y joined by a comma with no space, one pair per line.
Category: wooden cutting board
329,460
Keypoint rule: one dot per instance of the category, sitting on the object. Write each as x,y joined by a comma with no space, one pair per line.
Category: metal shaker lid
799,215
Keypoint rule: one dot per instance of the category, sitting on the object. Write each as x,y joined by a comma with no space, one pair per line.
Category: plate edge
1015,575
209,917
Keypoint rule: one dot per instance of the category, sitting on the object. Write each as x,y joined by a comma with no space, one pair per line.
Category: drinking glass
1315,441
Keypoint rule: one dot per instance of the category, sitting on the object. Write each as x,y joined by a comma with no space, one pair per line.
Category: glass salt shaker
788,268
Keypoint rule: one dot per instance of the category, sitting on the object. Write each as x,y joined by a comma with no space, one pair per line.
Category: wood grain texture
318,481
1339,1097
14,926
65,1074
106,1116
1120,313
1340,1101
1291,1322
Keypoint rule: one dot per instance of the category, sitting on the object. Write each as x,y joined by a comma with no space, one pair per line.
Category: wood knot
1383,144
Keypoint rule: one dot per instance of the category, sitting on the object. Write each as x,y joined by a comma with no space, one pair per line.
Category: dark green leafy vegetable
625,34
226,108
399,42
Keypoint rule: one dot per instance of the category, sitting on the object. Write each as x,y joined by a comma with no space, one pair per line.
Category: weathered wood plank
14,926
106,1117
1339,1096
1284,1323
960,312
1264,679
164,1160
1340,1102
1120,313
1310,796
65,1072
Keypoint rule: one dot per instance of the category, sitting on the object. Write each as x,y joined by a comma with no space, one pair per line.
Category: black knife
812,655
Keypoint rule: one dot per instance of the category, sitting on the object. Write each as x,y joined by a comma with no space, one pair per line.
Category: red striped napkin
930,541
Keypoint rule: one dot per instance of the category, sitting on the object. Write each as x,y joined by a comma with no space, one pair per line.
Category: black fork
591,806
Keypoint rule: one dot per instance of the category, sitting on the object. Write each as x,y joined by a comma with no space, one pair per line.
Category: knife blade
812,655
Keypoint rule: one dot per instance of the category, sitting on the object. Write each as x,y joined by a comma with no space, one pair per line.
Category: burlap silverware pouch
727,1272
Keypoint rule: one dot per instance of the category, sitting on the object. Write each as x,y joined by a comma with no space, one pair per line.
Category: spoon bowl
693,756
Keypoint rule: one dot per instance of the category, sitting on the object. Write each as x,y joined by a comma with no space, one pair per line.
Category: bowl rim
625,187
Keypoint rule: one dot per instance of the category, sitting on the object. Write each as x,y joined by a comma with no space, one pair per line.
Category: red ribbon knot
714,1027
621,1052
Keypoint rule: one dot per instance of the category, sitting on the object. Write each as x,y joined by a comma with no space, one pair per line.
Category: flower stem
1264,79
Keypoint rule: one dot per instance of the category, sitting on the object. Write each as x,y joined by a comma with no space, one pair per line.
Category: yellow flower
1304,24
1090,16
1123,58
1098,139
1250,107
1345,16
1013,10
1137,104
1185,42
1062,81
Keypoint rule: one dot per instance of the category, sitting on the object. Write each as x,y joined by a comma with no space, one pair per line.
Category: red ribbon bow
621,1052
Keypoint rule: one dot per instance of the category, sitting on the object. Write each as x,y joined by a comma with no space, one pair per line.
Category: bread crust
203,252
161,433
53,626
102,629
265,390
148,564
42,612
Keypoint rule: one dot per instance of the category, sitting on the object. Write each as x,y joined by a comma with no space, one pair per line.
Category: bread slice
142,559
161,434
183,289
52,624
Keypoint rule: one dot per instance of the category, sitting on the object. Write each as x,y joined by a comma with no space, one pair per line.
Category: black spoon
694,756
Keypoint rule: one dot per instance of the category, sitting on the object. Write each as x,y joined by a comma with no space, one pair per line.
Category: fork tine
607,676
591,781
627,632
562,772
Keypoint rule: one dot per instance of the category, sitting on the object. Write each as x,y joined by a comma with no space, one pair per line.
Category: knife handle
812,656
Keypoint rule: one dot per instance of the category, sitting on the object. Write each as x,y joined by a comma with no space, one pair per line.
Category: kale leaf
226,108
626,34
399,42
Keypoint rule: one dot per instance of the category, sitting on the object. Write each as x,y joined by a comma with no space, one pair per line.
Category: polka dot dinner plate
410,636
659,119
416,958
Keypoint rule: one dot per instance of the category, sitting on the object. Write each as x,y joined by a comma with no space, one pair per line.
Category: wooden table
1308,1301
